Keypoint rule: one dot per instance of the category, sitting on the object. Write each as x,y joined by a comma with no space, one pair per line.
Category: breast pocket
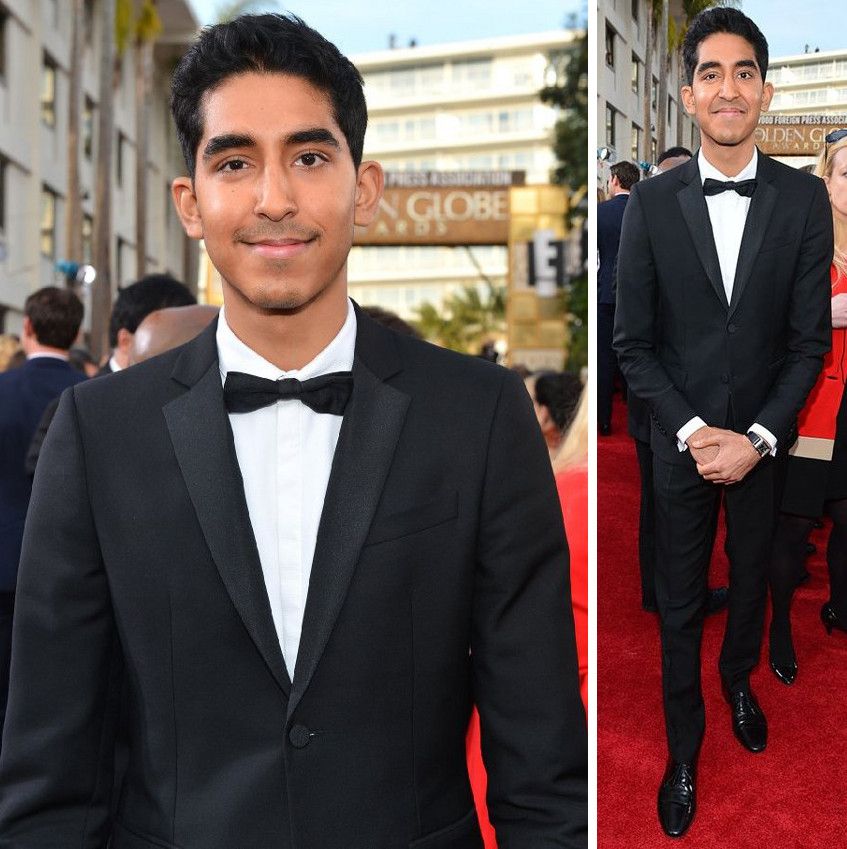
414,519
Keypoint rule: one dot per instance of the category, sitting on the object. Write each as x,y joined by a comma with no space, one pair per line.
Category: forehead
725,48
258,103
839,158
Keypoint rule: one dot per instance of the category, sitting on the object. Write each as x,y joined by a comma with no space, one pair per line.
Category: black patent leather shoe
717,599
677,801
786,672
748,722
830,619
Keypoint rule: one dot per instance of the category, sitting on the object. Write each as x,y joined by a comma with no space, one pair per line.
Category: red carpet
792,795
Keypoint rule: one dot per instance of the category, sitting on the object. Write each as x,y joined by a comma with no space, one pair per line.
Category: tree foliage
467,319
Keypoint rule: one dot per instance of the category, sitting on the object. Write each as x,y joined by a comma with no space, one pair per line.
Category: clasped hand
722,456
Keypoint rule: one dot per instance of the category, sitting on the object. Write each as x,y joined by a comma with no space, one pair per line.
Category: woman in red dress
817,470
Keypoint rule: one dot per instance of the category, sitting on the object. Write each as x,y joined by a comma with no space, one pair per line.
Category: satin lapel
692,202
202,441
758,217
369,434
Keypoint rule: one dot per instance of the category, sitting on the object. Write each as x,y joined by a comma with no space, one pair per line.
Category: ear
767,96
124,340
370,182
185,201
687,93
27,328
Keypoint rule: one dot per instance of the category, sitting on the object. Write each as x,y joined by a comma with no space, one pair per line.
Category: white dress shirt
728,215
285,454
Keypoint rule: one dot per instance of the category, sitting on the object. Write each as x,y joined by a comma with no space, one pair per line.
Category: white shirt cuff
766,435
687,429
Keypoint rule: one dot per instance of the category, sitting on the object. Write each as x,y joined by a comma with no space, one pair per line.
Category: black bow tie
744,187
327,393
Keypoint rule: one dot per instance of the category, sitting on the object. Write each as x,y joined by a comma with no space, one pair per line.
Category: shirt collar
708,171
114,365
43,355
234,355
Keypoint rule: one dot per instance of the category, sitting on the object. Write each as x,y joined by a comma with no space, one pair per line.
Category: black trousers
7,608
646,525
686,508
607,363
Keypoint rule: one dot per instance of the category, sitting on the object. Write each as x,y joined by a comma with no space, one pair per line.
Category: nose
275,196
729,87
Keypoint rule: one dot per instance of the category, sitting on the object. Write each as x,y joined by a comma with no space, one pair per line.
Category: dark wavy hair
265,44
720,19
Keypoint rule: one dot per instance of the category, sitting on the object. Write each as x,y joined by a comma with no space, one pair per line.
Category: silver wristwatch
762,447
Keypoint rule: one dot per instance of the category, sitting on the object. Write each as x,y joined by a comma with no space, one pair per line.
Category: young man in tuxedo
315,544
722,324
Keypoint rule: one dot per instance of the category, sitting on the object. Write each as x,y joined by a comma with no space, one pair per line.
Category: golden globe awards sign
443,208
796,135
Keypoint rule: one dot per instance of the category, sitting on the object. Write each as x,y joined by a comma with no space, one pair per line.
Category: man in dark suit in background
308,544
722,324
609,217
51,322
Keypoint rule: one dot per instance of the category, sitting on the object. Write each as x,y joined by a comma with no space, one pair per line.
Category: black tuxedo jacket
440,577
681,346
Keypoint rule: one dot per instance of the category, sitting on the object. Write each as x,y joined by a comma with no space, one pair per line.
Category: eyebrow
230,141
741,63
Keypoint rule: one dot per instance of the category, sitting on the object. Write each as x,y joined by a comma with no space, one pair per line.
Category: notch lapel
692,202
366,444
204,447
762,206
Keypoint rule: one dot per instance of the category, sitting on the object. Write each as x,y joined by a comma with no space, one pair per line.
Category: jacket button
724,378
300,736
732,328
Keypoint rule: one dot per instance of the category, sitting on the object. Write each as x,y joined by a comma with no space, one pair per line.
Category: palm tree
73,228
101,306
148,25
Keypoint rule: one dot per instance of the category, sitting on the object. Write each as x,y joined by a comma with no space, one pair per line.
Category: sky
358,26
789,26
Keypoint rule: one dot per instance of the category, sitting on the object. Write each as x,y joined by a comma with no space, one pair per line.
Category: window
4,19
119,261
611,113
48,223
670,110
88,127
654,93
636,74
635,10
3,172
610,47
87,239
636,142
48,91
88,23
119,159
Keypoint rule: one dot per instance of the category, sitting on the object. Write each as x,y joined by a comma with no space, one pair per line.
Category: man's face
728,92
275,193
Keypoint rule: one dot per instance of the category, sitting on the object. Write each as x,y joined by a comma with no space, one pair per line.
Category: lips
279,248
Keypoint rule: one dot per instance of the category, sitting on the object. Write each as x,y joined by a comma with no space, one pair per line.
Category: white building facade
622,76
470,106
35,49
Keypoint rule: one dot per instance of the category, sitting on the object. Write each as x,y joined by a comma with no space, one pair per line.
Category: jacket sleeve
635,323
809,320
57,755
523,654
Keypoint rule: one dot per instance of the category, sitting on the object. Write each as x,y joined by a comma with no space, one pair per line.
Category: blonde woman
817,469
